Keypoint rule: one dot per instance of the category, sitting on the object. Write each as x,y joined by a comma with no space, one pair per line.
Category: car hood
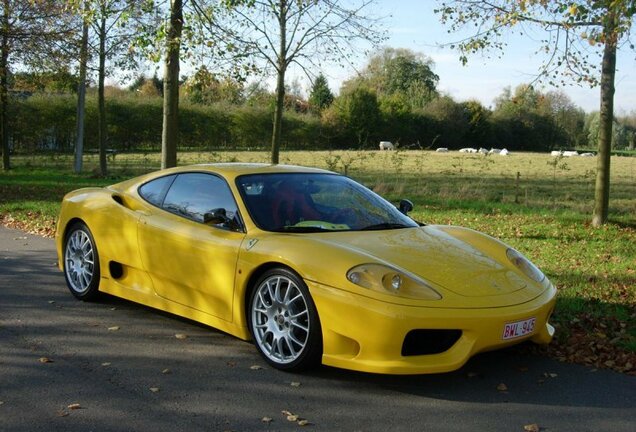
459,262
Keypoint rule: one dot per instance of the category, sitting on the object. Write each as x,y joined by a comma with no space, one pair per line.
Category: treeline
47,122
395,98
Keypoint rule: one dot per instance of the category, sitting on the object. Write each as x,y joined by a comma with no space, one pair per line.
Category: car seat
291,205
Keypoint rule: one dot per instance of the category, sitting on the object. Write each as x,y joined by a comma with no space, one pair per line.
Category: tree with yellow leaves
579,35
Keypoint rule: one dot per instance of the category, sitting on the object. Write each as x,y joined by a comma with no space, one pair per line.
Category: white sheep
556,153
386,145
468,150
442,150
570,153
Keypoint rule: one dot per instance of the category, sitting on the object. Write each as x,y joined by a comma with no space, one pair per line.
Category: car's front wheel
81,262
284,321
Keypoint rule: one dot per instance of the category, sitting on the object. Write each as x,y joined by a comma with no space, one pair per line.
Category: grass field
539,204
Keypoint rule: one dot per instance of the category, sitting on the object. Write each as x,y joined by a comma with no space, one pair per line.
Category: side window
156,189
193,195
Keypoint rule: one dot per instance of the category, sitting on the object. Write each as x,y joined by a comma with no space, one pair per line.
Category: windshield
303,202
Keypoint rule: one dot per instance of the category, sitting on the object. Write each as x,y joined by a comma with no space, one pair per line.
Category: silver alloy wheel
280,319
79,261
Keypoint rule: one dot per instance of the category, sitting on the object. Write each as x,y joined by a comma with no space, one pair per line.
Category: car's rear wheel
284,321
81,262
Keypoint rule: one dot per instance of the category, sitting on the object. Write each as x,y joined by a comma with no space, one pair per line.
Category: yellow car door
189,244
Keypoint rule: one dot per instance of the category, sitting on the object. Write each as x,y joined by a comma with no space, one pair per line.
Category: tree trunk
81,98
277,131
101,104
280,82
170,130
602,189
4,87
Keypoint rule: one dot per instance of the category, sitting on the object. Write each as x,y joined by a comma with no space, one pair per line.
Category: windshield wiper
304,229
385,226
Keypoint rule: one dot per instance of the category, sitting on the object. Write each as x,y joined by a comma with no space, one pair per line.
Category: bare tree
29,31
278,33
114,28
575,31
170,131
81,97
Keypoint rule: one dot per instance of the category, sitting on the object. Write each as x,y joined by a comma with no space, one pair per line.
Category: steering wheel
347,215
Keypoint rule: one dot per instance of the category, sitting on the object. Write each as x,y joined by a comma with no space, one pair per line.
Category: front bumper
367,335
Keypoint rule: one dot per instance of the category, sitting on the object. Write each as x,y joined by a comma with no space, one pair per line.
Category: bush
42,122
356,119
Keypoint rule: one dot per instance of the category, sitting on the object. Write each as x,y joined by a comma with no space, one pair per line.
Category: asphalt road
123,365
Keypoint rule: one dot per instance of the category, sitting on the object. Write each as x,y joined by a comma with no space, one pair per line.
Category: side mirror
215,217
405,206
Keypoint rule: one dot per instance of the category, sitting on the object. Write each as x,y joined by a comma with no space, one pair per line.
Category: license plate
518,329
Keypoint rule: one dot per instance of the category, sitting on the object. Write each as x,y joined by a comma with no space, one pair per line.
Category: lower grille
422,342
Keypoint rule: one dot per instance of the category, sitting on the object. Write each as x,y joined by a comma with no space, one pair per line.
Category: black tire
284,322
81,262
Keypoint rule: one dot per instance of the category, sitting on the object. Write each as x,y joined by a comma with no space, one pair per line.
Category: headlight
385,279
523,264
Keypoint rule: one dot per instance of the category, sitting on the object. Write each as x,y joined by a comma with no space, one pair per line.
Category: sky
412,24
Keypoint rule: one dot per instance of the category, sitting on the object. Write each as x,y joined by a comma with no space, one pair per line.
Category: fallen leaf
291,417
181,336
62,413
74,406
472,374
502,387
230,363
166,371
113,308
106,364
256,367
113,328
45,360
532,428
295,384
1,402
267,420
154,389
51,301
303,422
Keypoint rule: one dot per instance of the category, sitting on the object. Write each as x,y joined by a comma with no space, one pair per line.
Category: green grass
536,203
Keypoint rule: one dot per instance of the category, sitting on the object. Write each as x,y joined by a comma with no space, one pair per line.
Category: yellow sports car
310,265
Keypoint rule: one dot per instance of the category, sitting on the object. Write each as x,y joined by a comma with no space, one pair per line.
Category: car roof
236,168
229,170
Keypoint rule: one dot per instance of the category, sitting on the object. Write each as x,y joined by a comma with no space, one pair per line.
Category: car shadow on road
511,375
506,376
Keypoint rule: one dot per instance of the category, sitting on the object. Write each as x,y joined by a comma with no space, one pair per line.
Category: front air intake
430,341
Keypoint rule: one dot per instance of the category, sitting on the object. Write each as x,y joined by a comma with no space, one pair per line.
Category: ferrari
310,265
